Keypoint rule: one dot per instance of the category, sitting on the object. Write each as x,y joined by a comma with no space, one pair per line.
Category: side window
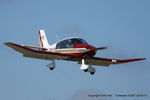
69,43
61,44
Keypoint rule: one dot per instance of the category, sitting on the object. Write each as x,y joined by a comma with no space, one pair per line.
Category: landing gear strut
87,68
51,66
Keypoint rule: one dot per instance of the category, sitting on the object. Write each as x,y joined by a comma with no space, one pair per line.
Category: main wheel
51,68
92,73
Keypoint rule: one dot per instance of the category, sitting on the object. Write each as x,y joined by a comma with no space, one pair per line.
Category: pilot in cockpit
69,43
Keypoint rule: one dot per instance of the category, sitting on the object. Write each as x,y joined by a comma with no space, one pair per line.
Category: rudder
43,39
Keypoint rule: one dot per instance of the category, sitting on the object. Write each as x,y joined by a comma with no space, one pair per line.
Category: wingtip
6,43
143,58
131,60
9,43
140,59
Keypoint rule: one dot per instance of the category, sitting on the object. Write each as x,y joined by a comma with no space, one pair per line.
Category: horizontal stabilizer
36,47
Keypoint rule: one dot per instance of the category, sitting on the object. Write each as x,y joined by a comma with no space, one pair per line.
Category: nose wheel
87,68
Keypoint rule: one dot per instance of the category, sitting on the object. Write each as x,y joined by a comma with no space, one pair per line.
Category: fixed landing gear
92,73
83,67
87,68
51,66
91,70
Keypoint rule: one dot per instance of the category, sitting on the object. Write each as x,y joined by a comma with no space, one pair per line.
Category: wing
106,62
27,51
36,47
39,54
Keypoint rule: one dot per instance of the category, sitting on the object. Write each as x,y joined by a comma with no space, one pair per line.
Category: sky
121,25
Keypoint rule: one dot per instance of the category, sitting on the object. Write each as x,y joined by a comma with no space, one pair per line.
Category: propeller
92,51
100,48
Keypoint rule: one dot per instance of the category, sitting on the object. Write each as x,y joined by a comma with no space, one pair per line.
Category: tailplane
43,40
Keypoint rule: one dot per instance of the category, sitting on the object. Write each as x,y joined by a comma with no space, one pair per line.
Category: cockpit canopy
69,43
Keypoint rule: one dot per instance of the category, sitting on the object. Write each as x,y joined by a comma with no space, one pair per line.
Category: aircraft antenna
57,37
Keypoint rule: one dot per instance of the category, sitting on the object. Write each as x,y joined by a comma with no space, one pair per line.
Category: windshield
69,43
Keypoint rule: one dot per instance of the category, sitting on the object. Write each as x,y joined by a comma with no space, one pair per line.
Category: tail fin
43,40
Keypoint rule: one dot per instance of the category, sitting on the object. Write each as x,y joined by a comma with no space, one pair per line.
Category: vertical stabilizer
42,39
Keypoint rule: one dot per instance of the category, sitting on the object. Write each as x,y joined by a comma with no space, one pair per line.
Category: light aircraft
70,49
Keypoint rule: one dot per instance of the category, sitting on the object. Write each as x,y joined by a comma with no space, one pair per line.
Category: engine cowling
88,54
